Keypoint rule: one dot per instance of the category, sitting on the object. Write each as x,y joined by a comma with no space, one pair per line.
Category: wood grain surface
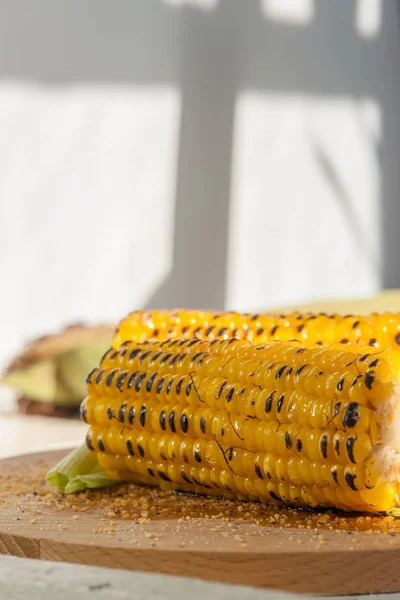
326,561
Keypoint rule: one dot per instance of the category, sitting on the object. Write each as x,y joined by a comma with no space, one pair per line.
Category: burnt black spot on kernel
188,389
255,317
134,353
369,380
88,441
337,446
349,478
121,413
355,324
288,441
354,382
209,330
173,360
150,472
179,385
242,391
169,385
202,424
197,331
192,343
110,377
363,357
373,342
220,389
163,456
300,351
268,474
299,445
185,329
142,416
229,395
162,419
163,476
319,343
90,376
234,335
141,450
300,369
334,475
83,413
165,358
344,341
131,415
340,383
171,421
268,403
110,413
258,471
139,381
197,482
185,477
155,357
222,432
351,415
373,363
144,356
195,356
222,331
99,376
397,339
230,453
273,330
280,403
123,353
129,447
336,409
289,371
280,372
300,327
182,343
120,380
311,317
160,385
197,457
184,421
213,342
323,445
260,331
274,496
350,449
150,381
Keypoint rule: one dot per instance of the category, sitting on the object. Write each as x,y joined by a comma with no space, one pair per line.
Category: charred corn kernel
277,422
375,330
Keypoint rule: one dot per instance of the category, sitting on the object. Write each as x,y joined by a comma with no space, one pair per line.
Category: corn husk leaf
78,471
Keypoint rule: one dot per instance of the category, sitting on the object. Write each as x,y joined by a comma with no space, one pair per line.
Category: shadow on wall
212,55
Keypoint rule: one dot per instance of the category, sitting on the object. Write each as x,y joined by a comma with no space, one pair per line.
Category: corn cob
377,330
276,422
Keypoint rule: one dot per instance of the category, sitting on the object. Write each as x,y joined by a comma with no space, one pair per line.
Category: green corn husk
53,369
78,471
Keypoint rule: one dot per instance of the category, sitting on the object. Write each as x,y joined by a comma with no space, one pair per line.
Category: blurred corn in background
204,153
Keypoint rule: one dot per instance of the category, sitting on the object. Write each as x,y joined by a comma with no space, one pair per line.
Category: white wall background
206,153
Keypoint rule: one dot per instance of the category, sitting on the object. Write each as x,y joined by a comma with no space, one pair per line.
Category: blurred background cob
48,376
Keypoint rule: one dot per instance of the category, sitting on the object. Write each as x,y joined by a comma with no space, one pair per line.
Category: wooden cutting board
242,543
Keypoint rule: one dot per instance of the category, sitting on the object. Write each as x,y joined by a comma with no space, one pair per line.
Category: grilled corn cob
377,330
276,422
